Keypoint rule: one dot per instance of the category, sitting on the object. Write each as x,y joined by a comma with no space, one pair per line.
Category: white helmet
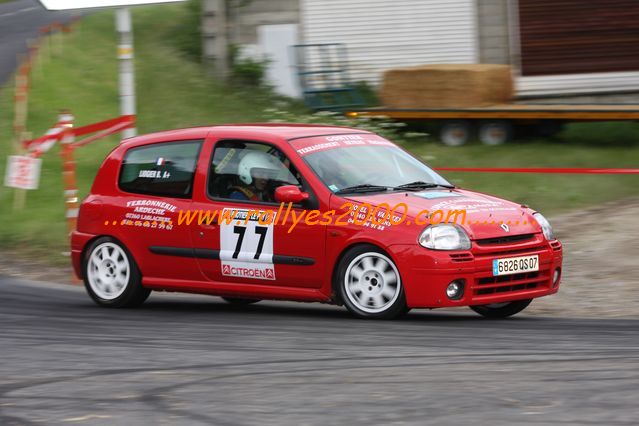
257,160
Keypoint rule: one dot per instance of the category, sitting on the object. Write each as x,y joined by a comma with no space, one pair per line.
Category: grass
549,193
174,92
82,76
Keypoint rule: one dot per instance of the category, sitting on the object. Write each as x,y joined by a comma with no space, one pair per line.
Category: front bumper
427,273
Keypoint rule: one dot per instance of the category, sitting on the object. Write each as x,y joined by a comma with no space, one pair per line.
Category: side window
165,169
249,171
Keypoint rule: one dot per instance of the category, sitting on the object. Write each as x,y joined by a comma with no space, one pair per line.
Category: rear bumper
427,273
79,241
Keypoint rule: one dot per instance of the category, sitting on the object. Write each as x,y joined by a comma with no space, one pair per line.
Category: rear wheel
455,132
111,276
369,284
501,310
240,300
495,132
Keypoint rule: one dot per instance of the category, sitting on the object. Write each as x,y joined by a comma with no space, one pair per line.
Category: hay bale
447,86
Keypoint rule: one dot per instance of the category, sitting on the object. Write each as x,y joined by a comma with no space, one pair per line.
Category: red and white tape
549,170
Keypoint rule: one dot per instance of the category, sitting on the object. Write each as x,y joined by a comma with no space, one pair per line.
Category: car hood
484,213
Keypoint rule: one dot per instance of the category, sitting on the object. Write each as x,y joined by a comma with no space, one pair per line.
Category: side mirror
290,194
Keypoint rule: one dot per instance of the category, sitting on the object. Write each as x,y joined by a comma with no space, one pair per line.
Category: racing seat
220,185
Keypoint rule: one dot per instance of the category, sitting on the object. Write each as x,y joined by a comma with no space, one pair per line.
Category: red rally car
306,213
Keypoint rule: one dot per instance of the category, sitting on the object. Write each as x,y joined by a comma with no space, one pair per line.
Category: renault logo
505,227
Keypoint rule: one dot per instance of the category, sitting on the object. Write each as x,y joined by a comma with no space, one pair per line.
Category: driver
255,170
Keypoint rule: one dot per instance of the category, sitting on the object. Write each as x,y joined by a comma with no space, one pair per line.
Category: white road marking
87,417
19,11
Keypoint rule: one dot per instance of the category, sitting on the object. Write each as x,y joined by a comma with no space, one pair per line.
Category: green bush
187,35
245,71
368,93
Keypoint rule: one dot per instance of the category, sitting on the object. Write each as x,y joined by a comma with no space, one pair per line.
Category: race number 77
240,231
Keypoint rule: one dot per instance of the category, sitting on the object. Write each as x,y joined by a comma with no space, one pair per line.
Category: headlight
545,226
444,237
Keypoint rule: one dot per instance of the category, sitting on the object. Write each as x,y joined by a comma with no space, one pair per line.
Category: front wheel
369,284
111,276
501,310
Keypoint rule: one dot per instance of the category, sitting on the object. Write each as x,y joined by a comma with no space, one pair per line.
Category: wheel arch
334,293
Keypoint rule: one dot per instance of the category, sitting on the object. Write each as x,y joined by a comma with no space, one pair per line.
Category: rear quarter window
165,169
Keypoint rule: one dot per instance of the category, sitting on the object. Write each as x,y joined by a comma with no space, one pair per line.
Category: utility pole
214,38
127,67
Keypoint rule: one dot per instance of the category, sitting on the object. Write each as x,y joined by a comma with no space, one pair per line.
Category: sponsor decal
248,270
436,194
152,203
473,205
153,214
246,244
311,145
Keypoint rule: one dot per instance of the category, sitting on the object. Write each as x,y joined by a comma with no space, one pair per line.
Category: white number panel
246,246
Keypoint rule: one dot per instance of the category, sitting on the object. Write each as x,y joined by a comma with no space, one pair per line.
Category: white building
569,49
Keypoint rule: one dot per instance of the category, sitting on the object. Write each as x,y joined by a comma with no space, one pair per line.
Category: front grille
461,257
505,240
509,252
511,283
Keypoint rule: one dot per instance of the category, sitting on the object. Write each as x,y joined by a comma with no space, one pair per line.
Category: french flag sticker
160,161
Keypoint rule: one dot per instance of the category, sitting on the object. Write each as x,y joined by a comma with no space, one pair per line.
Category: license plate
515,265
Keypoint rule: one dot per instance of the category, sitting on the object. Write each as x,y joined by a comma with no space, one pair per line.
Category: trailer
497,124
323,75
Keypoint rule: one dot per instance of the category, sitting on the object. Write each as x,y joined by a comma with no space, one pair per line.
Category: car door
240,244
156,184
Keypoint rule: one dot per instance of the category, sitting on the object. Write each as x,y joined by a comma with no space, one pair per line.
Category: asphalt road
194,360
19,21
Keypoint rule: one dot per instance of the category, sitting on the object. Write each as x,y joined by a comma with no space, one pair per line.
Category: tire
501,310
455,132
240,301
494,133
369,284
111,276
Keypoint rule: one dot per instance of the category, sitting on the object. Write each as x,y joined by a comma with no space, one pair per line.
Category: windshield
367,164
